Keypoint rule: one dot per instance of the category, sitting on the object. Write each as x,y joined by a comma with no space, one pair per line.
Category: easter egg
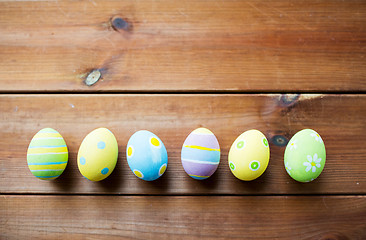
200,154
305,156
97,156
47,154
249,155
146,155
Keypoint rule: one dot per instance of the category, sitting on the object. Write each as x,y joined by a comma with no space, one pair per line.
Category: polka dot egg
305,156
249,155
146,155
200,154
97,156
47,154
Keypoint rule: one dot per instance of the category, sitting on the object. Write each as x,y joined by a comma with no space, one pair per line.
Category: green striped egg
47,154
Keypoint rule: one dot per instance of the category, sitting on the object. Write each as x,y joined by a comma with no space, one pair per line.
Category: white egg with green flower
305,156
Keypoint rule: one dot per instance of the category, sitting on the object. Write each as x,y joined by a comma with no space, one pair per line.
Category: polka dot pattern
138,173
254,165
146,155
101,145
232,165
240,144
155,142
162,169
130,151
105,171
98,154
82,161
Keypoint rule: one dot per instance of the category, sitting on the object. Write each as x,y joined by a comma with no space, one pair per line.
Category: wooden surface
170,67
183,45
116,217
339,119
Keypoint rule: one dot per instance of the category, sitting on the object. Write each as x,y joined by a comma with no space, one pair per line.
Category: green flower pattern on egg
305,156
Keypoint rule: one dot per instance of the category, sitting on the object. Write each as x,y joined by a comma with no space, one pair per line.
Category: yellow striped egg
47,154
97,156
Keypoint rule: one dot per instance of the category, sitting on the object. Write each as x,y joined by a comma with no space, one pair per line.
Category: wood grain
339,119
116,217
172,45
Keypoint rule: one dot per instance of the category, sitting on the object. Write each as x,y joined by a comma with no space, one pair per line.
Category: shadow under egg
114,181
65,183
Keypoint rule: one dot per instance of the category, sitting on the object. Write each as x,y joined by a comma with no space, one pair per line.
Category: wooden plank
116,217
340,120
183,45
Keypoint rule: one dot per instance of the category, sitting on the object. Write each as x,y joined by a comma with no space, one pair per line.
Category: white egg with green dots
146,155
98,153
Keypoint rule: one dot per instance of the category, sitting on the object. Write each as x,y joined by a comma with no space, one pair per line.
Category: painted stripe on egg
208,141
47,177
47,158
200,155
46,163
35,150
198,177
48,170
48,146
47,142
45,168
47,134
199,169
201,162
48,131
201,148
46,153
47,174
47,138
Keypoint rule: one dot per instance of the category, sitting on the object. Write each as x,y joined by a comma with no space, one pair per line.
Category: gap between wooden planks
340,120
116,217
183,45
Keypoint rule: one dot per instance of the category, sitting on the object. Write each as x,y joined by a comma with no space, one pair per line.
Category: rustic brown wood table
170,67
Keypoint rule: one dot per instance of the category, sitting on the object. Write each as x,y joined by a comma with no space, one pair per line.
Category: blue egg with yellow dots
146,155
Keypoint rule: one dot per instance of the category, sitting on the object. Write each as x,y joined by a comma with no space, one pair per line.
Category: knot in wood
93,77
119,24
289,99
279,140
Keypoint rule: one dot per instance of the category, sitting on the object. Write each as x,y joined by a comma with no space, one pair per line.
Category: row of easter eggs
147,157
